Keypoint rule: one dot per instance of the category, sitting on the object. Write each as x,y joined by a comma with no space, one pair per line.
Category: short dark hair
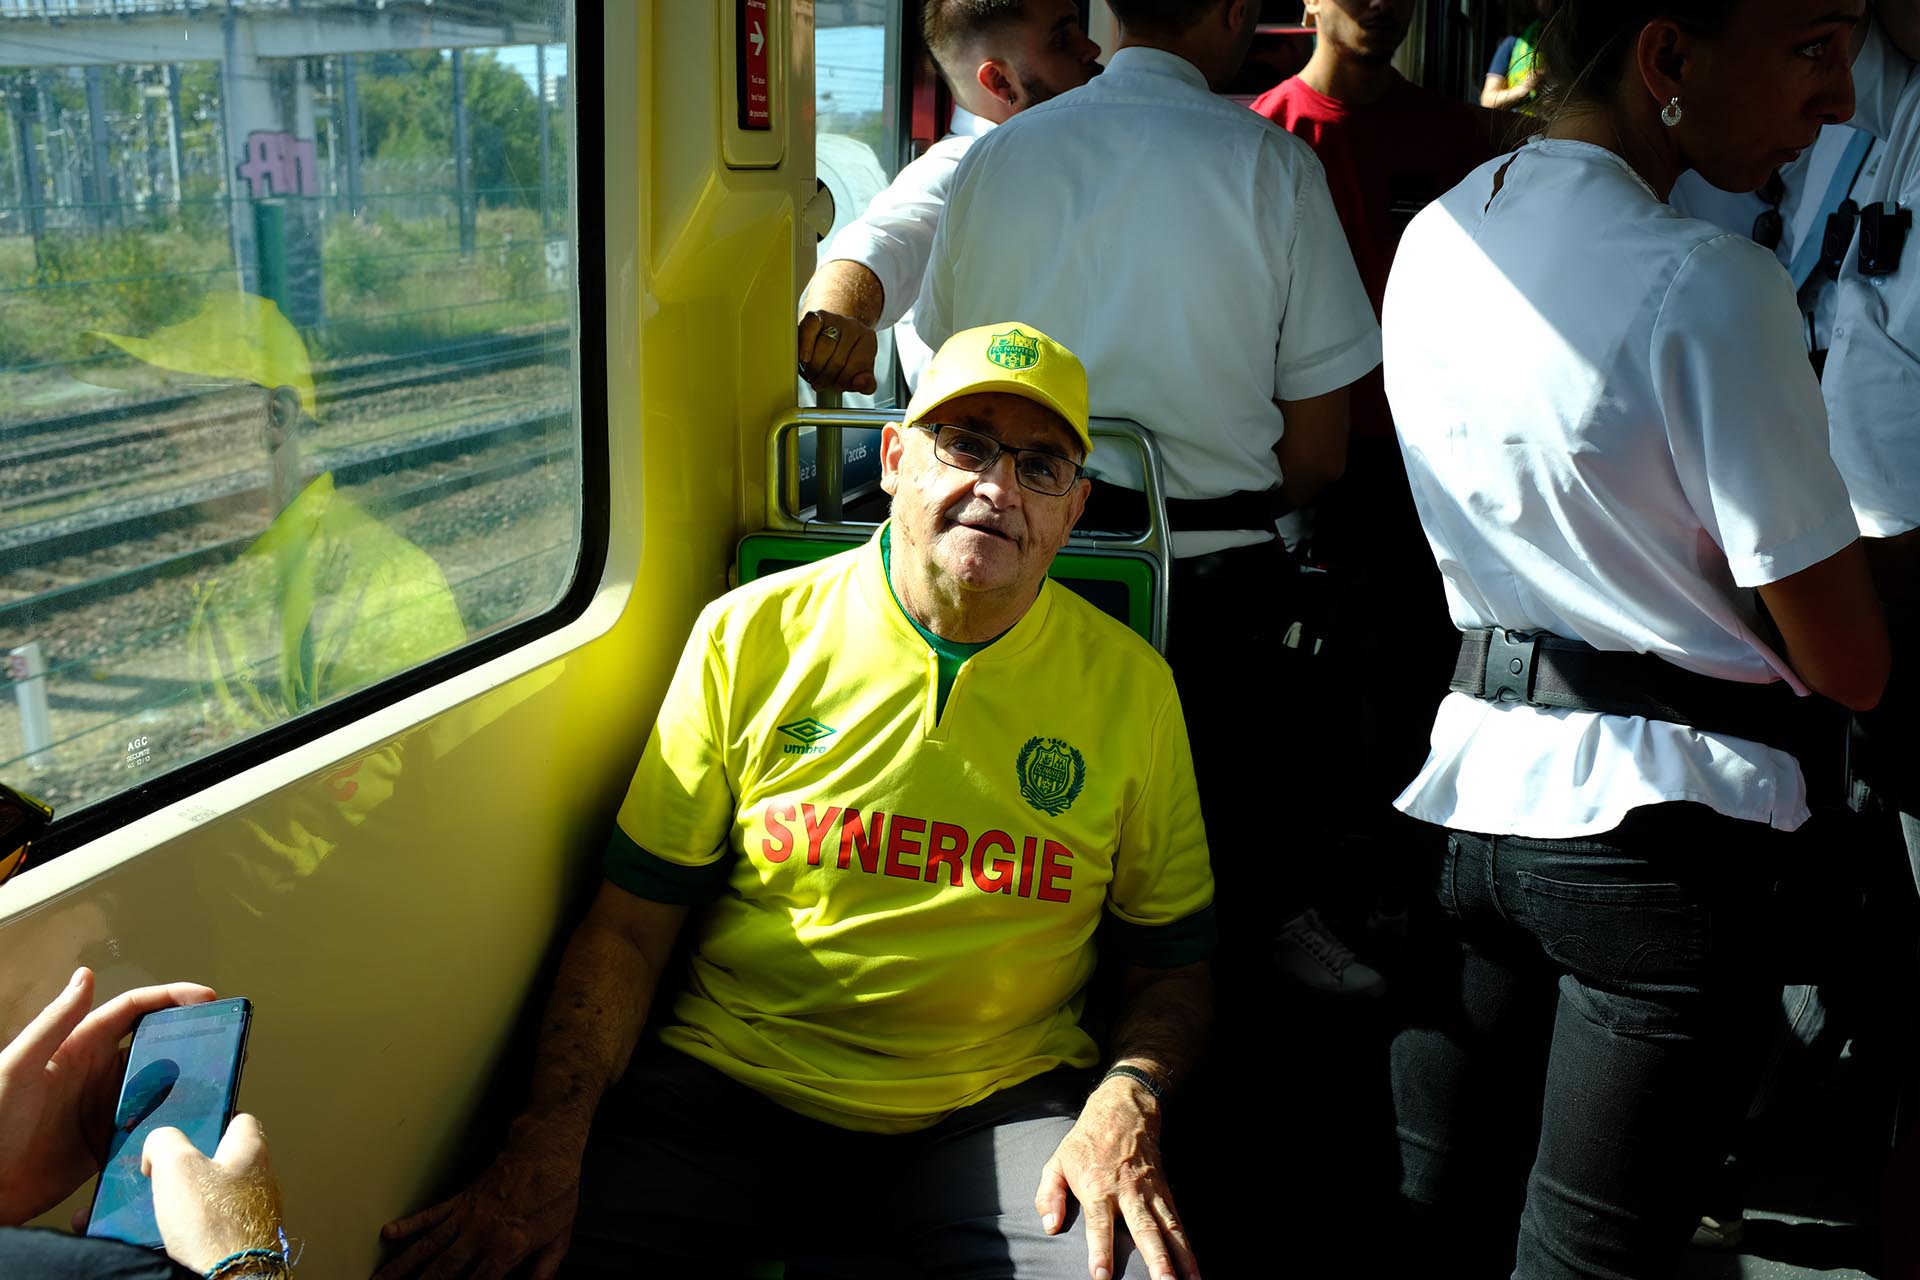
1584,44
951,27
1161,17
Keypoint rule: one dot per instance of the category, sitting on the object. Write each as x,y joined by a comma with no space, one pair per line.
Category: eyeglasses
1035,469
22,819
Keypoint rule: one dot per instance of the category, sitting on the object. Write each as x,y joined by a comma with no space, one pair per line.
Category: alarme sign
756,93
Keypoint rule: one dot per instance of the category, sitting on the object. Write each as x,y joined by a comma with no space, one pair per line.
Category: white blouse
1873,370
1613,435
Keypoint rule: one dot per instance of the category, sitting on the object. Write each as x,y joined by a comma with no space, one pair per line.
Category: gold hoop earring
1671,113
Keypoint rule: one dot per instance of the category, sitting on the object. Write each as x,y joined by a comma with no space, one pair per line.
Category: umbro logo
808,736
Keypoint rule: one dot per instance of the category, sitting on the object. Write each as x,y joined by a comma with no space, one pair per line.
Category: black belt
1544,670
1118,508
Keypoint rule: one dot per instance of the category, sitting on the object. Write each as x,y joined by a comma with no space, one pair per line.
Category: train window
857,88
287,398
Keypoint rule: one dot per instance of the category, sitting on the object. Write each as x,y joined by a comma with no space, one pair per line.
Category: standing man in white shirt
1872,382
1190,252
998,57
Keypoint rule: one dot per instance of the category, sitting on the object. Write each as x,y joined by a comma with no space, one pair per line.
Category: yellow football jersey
903,901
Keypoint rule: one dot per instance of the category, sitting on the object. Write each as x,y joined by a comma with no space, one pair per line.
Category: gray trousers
689,1174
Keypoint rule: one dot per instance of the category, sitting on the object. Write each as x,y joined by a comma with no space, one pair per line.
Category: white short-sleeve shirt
894,237
1183,247
1872,377
1613,435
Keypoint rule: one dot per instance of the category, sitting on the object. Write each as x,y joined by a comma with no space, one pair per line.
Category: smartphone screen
184,1071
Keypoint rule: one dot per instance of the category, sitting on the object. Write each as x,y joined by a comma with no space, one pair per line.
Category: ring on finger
830,333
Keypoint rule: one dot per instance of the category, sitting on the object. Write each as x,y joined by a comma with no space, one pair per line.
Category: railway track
75,433
244,494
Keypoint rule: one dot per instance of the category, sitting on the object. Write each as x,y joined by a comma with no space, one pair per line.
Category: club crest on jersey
1051,774
1014,350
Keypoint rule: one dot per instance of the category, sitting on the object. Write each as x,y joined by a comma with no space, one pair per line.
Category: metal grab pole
829,461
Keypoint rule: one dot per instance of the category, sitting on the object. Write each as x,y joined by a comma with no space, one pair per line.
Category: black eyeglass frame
933,429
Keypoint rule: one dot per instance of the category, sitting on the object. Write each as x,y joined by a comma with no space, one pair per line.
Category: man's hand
59,1083
1111,1163
522,1208
837,352
208,1209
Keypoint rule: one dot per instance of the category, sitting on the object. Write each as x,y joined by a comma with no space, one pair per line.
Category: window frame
588,189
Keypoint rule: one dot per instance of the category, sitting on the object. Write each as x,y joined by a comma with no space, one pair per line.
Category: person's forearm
1895,563
1312,452
592,1022
1162,1028
846,288
1501,99
1306,471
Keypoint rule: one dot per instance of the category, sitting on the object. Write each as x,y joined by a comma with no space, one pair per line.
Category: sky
849,67
521,58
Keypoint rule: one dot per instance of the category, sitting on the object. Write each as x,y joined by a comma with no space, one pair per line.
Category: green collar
953,651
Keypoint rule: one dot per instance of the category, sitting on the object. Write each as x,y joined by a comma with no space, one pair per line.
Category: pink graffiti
279,164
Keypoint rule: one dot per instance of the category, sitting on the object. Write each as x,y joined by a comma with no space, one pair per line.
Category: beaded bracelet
250,1262
1137,1075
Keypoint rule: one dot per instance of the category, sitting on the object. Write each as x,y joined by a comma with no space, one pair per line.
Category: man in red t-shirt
1389,148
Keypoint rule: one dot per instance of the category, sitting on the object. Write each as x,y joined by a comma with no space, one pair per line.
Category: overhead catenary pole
173,130
546,141
462,169
350,101
239,217
99,174
31,199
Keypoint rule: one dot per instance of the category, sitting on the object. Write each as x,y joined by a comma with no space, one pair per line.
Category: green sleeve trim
650,876
1187,940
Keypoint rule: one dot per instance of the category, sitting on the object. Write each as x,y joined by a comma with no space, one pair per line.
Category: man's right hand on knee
520,1211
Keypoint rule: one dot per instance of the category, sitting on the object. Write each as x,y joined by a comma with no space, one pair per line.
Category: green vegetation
406,113
389,281
121,282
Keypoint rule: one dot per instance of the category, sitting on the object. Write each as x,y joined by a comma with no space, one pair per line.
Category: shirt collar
1141,60
965,124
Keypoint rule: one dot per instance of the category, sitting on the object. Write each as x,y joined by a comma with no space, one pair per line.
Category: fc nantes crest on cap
1014,358
1014,350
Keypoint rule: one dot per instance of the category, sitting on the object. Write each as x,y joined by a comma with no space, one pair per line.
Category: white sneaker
1308,952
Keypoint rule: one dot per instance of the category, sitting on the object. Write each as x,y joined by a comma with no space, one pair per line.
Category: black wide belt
1114,507
1544,670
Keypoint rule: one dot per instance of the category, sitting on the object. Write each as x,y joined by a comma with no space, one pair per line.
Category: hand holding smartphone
182,1071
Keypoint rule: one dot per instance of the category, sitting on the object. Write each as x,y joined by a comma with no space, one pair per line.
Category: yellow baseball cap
1015,358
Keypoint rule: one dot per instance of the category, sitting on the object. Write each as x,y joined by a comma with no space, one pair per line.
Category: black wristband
1137,1075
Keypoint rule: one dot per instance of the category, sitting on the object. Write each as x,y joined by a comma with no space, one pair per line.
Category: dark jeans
1595,1005
54,1255
688,1173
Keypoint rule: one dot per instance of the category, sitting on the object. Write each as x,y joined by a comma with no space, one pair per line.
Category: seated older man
903,795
